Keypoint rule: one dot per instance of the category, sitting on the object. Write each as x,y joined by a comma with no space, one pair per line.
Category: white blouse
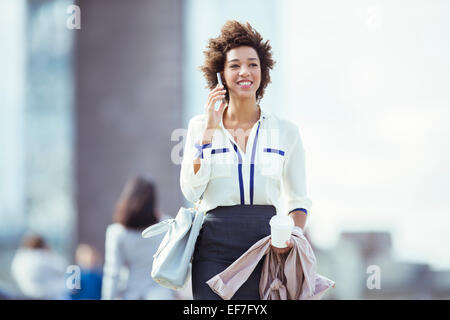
271,171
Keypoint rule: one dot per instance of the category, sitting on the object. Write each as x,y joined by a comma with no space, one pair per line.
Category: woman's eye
235,65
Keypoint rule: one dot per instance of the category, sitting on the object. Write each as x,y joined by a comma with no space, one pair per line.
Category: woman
239,160
126,250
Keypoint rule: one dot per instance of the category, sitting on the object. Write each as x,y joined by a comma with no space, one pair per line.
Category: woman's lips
245,84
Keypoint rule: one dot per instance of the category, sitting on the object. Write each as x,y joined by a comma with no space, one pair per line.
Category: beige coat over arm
289,277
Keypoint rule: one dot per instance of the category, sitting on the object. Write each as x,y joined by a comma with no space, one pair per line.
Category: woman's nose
244,71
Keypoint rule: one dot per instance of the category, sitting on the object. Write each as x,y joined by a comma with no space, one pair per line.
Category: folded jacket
283,277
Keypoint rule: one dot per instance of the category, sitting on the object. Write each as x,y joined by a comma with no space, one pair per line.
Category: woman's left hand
280,251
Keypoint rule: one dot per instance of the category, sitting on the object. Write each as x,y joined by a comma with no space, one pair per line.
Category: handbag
172,261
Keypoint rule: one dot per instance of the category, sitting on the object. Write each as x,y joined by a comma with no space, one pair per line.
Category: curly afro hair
235,34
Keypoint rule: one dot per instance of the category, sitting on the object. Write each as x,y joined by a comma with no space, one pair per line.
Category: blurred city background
367,82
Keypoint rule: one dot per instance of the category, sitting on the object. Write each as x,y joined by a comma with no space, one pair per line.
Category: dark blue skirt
226,234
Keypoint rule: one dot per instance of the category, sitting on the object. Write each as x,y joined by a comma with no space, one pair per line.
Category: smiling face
242,72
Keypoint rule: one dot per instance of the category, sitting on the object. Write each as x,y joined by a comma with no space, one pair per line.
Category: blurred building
85,109
36,160
128,81
440,284
348,263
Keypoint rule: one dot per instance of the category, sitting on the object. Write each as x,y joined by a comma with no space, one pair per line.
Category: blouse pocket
220,163
272,163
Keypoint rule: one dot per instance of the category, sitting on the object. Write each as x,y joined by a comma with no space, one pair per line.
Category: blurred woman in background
128,256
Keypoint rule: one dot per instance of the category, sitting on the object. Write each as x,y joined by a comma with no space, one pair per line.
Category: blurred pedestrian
38,270
88,259
126,250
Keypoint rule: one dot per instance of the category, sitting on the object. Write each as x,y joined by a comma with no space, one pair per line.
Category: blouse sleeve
113,264
294,178
194,184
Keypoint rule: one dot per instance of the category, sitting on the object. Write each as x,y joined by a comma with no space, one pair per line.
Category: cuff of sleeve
300,209
200,148
303,204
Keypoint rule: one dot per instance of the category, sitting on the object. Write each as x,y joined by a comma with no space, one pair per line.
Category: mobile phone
219,80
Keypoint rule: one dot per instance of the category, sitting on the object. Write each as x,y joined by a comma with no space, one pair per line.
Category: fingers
281,250
277,250
220,95
221,107
212,103
217,89
216,94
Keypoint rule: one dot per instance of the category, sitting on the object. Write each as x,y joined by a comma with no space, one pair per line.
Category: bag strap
197,204
156,229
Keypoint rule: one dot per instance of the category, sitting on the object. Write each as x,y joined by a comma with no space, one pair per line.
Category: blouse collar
263,116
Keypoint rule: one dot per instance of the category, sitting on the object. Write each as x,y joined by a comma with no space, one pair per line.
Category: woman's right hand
213,116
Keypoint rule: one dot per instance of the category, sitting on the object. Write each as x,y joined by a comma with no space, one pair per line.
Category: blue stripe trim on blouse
300,209
223,150
200,149
281,152
252,165
241,182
